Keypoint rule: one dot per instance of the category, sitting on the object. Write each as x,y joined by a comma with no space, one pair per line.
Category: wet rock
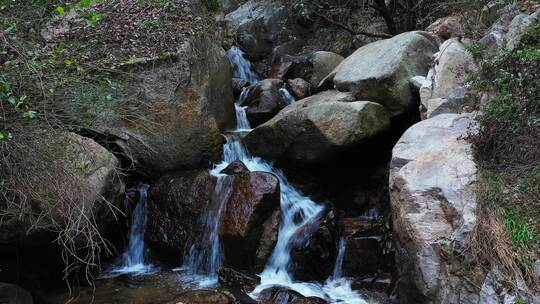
323,64
263,101
236,167
176,203
238,86
286,296
380,71
314,247
254,197
446,28
268,240
234,279
451,66
362,256
13,294
299,87
432,186
317,127
204,296
290,67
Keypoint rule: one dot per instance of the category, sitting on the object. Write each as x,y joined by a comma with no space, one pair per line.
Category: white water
241,66
287,97
134,258
296,210
204,256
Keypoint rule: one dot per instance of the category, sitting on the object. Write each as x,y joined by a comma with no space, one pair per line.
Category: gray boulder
380,71
518,27
432,189
317,127
323,64
263,101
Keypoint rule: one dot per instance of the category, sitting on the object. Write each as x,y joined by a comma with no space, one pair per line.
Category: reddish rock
446,28
299,87
255,196
234,279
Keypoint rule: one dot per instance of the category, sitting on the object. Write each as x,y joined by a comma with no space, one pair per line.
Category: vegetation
507,149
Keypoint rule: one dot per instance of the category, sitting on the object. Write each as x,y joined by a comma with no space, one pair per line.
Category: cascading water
134,258
241,66
286,96
204,256
296,210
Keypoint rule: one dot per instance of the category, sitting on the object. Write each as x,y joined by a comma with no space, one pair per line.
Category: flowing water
204,256
134,258
287,97
296,210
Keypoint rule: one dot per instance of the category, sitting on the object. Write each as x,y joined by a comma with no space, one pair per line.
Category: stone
363,256
204,296
451,66
314,247
268,240
236,167
238,86
432,190
446,28
416,82
234,279
495,36
80,166
323,64
177,200
518,27
299,87
263,101
380,71
253,199
284,295
290,67
317,127
13,294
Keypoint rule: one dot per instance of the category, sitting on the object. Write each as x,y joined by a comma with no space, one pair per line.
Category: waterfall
296,210
336,274
241,66
134,258
241,116
204,256
287,97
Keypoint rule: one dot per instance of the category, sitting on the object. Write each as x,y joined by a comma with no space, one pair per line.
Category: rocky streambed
278,171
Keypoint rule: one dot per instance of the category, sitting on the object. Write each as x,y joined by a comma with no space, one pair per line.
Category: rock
299,87
228,6
236,167
363,256
238,86
323,64
380,71
254,197
518,27
268,240
315,247
290,67
432,187
13,294
284,295
177,201
263,101
204,296
494,39
416,82
168,112
317,127
76,177
452,64
446,28
233,279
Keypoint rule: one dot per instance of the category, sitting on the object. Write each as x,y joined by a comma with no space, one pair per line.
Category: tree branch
350,30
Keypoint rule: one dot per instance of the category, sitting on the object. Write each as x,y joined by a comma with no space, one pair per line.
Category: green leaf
109,97
60,10
2,136
68,62
30,114
12,100
85,3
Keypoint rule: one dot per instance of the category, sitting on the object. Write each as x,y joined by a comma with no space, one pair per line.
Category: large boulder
263,101
380,71
314,247
234,279
432,189
323,64
72,177
317,127
160,103
254,197
177,200
519,26
446,28
451,66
